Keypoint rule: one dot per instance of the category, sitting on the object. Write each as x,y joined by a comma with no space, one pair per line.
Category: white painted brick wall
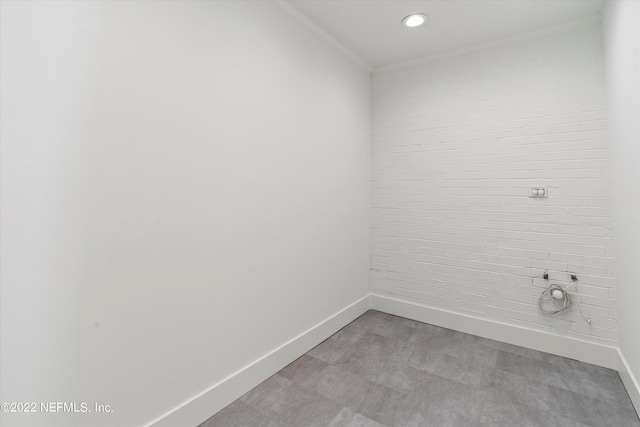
456,144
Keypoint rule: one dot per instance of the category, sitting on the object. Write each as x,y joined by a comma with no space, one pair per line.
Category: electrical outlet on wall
538,192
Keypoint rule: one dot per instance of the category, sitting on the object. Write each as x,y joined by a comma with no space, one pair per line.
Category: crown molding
505,41
301,18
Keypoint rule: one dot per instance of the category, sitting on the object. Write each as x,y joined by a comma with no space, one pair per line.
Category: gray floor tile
582,379
348,418
303,368
375,401
401,377
335,346
458,369
467,401
449,356
425,359
339,385
287,404
591,411
432,336
393,329
384,370
513,349
507,413
239,414
369,355
585,378
508,387
387,406
443,418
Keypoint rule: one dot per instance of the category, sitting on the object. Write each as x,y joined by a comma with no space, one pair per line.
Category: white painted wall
184,189
622,55
456,144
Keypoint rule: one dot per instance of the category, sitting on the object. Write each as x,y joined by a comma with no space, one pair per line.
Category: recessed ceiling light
414,20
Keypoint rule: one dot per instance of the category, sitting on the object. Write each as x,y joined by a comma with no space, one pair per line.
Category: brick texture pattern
456,145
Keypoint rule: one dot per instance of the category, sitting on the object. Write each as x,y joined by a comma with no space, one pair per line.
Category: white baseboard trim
202,406
594,353
629,380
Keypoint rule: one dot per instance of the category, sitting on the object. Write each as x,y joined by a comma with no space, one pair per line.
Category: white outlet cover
538,192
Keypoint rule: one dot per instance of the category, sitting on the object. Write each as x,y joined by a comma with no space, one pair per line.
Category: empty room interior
320,213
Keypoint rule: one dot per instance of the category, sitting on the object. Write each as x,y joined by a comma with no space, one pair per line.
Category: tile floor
384,370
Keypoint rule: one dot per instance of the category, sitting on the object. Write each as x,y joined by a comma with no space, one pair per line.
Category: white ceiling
372,29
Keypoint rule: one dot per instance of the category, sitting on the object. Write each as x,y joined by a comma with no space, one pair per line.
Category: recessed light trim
414,20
